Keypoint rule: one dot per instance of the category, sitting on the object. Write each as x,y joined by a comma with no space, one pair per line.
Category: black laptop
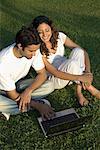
64,121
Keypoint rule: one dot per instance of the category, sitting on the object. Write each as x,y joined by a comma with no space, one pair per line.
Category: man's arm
39,80
26,94
14,95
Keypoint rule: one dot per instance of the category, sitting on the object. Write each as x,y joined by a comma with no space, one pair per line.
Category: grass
81,20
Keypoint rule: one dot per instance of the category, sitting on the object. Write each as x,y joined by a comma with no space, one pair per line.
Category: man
15,62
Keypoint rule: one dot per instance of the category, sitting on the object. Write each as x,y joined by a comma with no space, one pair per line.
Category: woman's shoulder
62,36
62,33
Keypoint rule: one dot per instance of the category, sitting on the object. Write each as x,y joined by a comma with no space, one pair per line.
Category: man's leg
8,106
39,94
46,88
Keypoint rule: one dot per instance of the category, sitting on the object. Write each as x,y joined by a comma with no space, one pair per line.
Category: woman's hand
87,79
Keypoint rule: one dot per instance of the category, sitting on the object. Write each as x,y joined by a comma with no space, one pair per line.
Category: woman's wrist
87,71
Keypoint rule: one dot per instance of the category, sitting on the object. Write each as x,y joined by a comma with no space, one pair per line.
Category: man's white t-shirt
12,68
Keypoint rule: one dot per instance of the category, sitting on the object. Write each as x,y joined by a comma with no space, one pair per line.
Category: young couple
41,46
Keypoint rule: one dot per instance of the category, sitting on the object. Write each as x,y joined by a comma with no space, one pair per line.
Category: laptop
63,121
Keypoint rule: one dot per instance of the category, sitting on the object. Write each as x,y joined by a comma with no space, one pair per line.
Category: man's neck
16,52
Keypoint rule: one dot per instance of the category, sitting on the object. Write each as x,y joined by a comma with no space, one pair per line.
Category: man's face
29,51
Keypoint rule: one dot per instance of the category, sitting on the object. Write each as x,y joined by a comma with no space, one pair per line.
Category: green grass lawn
81,20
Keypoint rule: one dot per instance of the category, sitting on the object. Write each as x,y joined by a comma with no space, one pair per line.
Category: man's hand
46,111
26,95
25,98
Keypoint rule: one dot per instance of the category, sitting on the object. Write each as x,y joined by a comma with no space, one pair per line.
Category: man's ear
19,46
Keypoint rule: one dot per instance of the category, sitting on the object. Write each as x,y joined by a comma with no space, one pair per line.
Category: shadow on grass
7,37
14,18
74,24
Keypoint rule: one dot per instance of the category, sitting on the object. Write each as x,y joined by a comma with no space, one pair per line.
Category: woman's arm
65,76
69,43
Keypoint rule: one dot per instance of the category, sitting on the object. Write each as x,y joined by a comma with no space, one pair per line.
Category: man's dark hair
26,37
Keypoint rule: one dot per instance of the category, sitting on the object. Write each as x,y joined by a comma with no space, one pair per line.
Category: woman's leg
68,66
74,65
77,55
82,100
95,92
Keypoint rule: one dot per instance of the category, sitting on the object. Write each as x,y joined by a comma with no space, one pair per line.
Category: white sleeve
38,63
6,83
62,37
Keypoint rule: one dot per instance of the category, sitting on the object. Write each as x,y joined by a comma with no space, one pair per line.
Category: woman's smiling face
45,32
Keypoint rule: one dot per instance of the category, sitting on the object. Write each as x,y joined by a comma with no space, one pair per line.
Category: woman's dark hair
26,37
43,19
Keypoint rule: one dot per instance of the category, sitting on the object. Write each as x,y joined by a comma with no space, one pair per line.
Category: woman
62,70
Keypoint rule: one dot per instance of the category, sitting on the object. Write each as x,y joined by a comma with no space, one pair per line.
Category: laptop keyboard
59,120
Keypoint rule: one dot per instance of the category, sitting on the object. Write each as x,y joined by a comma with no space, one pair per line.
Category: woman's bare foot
95,92
97,95
82,100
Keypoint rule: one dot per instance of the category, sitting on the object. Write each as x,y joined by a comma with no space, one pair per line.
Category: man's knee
50,86
44,90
